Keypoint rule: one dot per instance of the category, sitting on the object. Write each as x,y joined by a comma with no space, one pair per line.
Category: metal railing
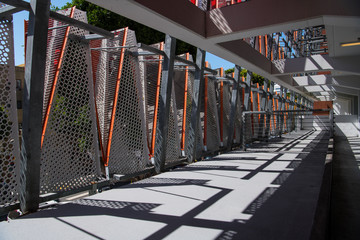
102,105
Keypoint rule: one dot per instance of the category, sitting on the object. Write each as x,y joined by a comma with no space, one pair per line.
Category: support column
263,104
164,103
33,104
198,90
234,100
247,91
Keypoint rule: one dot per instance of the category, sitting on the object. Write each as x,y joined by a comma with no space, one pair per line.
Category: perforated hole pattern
9,138
129,152
70,157
213,130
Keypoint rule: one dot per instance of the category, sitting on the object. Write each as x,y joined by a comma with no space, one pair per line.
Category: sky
215,62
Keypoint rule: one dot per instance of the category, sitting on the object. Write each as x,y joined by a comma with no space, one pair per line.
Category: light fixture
350,44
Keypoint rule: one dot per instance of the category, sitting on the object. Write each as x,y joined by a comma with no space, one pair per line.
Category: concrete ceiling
221,31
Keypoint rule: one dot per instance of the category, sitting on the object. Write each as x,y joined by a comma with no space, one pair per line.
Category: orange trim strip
279,55
221,106
158,83
266,46
283,53
116,96
56,77
185,104
205,106
260,44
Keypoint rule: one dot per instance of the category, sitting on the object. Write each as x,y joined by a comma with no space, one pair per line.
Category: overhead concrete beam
347,91
352,82
313,80
316,63
283,13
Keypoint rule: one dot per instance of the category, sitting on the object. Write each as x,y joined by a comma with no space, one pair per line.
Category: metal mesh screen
9,135
237,126
70,156
173,144
128,147
226,110
150,66
213,129
149,69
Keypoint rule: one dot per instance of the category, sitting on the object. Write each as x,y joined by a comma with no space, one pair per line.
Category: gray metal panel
213,128
9,137
128,150
33,103
164,104
70,158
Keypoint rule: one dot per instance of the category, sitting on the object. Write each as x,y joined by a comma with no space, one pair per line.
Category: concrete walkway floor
345,196
268,192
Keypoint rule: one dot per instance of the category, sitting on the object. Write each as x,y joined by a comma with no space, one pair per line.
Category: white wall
342,106
347,125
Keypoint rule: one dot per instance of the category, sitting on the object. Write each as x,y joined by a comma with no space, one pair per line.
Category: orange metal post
260,45
283,53
158,83
57,72
185,104
221,106
266,46
205,106
117,88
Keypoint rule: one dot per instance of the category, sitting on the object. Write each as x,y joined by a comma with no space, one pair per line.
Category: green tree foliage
110,21
256,78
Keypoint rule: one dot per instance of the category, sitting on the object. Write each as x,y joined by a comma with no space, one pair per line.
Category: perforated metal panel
128,152
238,120
70,157
182,73
199,137
227,109
150,66
213,129
9,134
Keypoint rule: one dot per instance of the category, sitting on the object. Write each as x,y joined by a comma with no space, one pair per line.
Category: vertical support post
164,103
33,103
221,108
281,108
205,108
198,90
268,109
247,92
234,100
183,129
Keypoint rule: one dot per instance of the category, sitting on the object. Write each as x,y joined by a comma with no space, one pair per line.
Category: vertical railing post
281,108
198,90
268,109
234,106
33,104
263,104
164,103
247,92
